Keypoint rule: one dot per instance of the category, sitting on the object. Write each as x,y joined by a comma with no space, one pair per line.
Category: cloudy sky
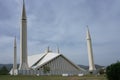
63,23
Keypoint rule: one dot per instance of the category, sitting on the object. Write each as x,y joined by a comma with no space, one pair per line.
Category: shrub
113,71
46,69
4,71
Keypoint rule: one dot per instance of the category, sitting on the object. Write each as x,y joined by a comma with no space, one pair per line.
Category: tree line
4,71
112,71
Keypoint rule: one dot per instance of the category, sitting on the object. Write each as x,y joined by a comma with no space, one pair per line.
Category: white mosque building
55,63
49,63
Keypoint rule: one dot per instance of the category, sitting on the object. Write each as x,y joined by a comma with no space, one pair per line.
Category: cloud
63,23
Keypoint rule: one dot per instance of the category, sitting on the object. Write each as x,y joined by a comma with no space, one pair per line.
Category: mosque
48,62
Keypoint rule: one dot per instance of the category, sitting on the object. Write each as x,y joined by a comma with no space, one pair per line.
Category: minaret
47,50
15,58
23,41
58,51
90,52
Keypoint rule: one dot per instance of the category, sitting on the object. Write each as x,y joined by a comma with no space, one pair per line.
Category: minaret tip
48,50
87,28
58,50
88,33
15,41
23,2
23,11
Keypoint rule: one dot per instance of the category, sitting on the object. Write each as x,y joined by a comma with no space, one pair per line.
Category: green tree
102,71
113,71
4,71
46,69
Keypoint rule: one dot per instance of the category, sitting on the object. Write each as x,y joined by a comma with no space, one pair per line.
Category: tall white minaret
15,72
23,41
90,52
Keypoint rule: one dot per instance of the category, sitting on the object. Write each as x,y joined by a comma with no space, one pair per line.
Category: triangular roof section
39,60
73,63
47,58
34,58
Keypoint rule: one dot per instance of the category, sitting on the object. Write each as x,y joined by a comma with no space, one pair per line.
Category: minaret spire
88,33
24,11
15,58
90,52
48,49
15,54
58,50
23,41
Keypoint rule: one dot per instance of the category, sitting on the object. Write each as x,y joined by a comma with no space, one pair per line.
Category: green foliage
102,71
46,69
4,71
113,71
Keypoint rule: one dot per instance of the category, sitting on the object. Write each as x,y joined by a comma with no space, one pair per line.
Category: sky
62,23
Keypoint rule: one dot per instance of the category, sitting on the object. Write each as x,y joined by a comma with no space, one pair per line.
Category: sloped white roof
42,58
34,58
38,60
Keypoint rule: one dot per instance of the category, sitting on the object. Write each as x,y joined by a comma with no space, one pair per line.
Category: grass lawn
8,77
